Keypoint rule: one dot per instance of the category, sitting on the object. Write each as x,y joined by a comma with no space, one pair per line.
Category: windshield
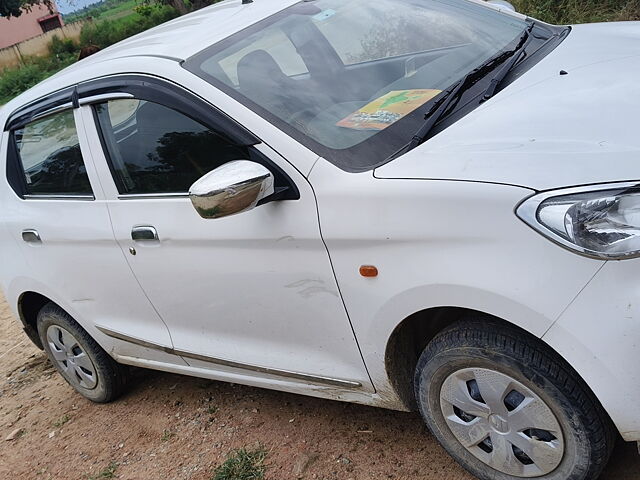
352,80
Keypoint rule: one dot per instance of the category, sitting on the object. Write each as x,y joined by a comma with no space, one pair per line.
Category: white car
426,205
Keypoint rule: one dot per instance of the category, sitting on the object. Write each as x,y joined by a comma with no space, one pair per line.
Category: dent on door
253,291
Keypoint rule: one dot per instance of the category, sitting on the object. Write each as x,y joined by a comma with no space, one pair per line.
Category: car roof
177,39
184,36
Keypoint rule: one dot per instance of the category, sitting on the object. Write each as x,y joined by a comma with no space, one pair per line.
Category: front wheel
507,407
78,358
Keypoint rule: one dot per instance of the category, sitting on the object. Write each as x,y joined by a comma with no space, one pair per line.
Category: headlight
601,222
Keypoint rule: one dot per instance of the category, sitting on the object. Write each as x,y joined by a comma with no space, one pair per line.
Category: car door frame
170,95
84,310
167,93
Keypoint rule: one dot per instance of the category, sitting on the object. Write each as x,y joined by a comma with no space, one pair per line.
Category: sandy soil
172,427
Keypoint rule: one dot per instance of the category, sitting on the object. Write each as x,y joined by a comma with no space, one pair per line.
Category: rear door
55,211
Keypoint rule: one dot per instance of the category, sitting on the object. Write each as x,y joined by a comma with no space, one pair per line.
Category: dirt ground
173,427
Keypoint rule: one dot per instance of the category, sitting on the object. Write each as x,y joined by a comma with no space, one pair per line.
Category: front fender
438,243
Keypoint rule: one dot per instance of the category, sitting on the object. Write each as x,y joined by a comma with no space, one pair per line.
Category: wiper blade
504,71
446,101
431,118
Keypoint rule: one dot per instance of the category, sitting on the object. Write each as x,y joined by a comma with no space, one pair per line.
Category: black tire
587,432
110,378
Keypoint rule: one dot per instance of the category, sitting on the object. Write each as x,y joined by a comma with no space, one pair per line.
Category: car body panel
78,264
509,140
599,335
438,222
271,261
186,35
432,246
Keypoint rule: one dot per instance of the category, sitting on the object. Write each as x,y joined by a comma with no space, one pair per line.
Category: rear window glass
49,151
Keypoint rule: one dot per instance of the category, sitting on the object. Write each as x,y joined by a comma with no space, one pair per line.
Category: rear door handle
31,235
144,233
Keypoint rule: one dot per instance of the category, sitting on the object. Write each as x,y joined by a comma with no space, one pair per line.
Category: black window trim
164,92
167,94
16,175
144,87
56,101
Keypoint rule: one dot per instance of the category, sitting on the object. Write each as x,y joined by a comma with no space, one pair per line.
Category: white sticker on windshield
322,16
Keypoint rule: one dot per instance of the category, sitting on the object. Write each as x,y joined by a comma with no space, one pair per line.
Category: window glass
277,45
123,110
391,59
153,149
49,150
365,34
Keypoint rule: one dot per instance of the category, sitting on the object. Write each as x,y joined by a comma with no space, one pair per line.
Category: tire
78,358
552,427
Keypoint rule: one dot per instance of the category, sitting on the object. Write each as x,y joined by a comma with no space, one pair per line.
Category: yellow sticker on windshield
387,109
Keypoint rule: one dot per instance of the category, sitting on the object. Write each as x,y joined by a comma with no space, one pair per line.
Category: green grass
14,81
562,12
103,10
107,32
61,421
108,472
118,10
242,464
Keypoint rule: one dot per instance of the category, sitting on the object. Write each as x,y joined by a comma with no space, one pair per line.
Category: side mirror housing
232,188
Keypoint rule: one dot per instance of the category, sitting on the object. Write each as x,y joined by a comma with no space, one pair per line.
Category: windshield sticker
387,109
322,16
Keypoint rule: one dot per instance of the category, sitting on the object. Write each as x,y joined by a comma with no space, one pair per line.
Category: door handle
144,233
31,235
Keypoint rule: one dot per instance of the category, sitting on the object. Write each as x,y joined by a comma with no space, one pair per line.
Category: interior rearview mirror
233,188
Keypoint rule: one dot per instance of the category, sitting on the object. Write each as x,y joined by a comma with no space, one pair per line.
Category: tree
14,8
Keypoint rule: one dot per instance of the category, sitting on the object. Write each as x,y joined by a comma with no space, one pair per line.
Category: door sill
275,372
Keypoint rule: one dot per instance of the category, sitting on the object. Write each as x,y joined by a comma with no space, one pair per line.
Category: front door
246,293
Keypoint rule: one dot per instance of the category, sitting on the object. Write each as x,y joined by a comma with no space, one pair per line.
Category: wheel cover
502,422
72,360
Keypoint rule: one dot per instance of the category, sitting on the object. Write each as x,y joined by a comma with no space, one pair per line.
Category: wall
12,56
17,29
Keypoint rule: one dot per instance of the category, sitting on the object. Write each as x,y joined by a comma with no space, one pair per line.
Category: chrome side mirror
502,3
234,187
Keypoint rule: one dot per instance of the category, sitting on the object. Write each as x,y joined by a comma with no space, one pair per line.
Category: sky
68,6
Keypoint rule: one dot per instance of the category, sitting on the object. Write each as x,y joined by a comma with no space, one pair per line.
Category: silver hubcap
75,364
502,422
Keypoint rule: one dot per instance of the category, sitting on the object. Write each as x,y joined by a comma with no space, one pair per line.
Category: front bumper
599,335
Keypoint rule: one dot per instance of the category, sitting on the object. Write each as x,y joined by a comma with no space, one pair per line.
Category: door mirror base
280,193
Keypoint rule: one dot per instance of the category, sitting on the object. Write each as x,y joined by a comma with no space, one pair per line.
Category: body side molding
230,363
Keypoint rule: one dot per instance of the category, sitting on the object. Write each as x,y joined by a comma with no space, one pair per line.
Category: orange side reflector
368,271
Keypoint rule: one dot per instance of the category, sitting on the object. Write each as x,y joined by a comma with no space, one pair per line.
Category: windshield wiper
448,100
504,71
